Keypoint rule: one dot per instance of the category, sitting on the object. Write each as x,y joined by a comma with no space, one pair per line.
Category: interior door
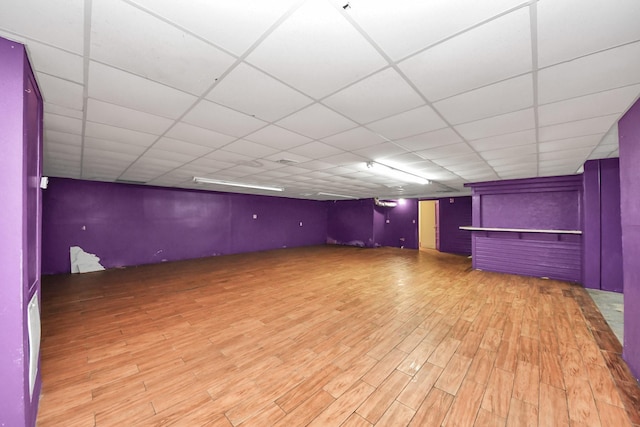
427,224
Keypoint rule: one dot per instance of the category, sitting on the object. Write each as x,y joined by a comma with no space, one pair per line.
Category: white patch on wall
33,325
83,262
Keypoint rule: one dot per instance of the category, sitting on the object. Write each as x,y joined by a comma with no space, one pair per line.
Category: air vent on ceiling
287,162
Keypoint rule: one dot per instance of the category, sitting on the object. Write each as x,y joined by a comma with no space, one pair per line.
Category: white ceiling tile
121,88
116,115
584,107
34,19
495,51
60,92
198,135
243,146
380,151
499,125
62,111
590,74
115,146
384,94
596,125
119,156
229,157
507,162
64,149
500,98
316,150
571,28
277,137
335,58
404,30
316,121
171,156
62,124
234,26
98,130
56,62
589,141
130,39
354,139
428,140
449,150
564,156
509,152
221,119
316,165
345,161
419,120
505,141
177,146
63,138
257,94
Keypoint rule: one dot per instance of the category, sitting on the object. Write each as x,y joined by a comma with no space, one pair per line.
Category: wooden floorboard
327,336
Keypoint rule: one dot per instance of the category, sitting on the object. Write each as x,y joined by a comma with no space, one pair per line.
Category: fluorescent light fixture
340,196
396,173
201,180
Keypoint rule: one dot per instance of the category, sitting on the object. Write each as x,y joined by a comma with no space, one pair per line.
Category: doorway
428,224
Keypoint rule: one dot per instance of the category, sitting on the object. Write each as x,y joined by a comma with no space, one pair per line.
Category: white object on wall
33,325
83,262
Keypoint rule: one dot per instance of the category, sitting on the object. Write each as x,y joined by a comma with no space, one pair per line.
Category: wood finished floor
327,336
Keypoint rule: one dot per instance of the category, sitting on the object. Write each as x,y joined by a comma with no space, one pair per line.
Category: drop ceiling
301,94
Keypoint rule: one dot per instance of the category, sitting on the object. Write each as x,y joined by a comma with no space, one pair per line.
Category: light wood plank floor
327,336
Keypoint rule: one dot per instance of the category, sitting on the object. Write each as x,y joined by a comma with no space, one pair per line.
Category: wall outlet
300,223
255,216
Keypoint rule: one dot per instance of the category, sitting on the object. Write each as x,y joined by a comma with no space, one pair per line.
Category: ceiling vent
287,162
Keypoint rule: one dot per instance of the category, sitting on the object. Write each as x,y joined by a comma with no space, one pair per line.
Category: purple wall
20,169
602,239
128,225
362,223
629,136
350,222
551,203
453,213
401,224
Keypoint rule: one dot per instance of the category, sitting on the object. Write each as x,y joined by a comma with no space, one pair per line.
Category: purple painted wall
451,216
602,238
401,224
629,138
350,222
128,225
549,203
20,169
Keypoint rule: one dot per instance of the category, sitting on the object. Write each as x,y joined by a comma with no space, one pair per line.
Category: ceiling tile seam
465,30
495,82
395,66
594,93
237,62
42,42
86,51
179,27
595,52
533,19
59,77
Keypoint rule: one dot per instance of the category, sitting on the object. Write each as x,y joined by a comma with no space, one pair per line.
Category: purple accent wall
602,239
20,170
401,224
129,225
550,203
629,139
451,216
350,222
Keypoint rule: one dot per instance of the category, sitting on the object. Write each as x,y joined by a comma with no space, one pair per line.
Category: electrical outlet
255,216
